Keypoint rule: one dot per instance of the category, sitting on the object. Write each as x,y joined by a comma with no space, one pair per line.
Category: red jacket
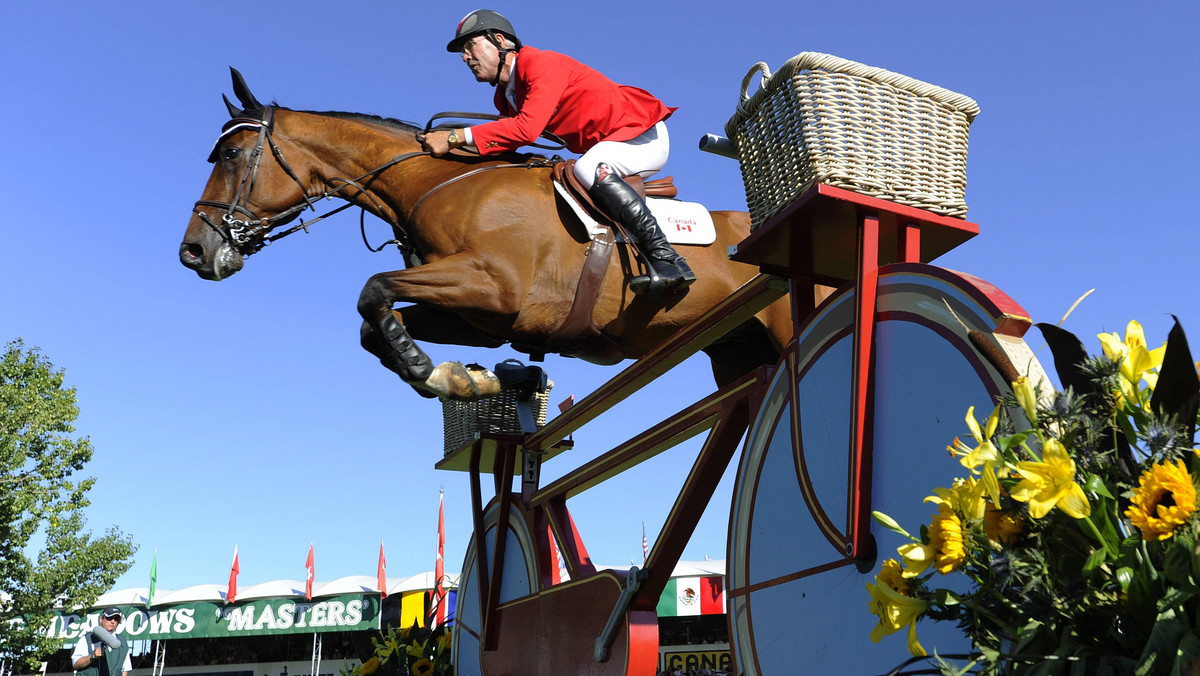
558,94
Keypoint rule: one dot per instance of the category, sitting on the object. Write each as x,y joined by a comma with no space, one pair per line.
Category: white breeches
643,155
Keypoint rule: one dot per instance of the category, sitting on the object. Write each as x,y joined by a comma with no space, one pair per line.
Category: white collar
510,89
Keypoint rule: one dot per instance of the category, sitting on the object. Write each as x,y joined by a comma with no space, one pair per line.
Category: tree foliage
47,557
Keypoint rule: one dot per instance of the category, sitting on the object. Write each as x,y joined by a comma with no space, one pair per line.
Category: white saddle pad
681,222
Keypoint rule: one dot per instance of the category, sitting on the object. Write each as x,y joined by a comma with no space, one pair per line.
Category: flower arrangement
409,651
1074,527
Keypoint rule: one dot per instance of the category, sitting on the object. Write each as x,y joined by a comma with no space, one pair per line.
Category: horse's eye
230,153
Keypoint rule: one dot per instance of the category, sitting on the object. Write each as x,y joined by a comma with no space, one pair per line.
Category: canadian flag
439,571
312,573
231,592
381,573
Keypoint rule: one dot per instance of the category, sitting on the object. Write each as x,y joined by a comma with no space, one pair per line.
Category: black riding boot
668,269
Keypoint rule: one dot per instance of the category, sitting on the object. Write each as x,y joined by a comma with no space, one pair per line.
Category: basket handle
762,80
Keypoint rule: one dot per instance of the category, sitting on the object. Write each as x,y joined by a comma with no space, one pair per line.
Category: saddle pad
681,222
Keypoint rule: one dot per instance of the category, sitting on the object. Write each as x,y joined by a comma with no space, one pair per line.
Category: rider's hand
437,143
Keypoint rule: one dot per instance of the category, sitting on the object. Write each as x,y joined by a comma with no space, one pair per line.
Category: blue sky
244,413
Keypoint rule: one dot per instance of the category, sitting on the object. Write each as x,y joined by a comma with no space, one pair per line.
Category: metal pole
316,656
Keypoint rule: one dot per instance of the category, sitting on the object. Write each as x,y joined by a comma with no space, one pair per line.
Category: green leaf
1174,598
1187,657
1162,645
1096,485
1124,577
1095,559
947,597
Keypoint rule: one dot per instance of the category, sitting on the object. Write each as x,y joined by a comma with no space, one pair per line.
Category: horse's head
247,195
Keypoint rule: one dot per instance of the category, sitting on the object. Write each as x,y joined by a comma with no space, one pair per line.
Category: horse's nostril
191,254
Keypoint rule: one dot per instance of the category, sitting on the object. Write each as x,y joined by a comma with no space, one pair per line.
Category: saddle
564,173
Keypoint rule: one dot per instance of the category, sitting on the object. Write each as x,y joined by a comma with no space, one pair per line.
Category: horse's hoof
451,380
423,392
486,382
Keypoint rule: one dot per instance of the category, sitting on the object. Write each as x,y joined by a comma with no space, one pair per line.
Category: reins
249,236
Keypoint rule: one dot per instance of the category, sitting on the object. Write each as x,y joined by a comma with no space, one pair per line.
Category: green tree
41,508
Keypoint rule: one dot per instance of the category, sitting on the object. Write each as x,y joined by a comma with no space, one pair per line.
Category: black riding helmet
482,21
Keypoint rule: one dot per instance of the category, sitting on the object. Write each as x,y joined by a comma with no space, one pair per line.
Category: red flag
312,573
645,545
381,574
555,558
439,571
231,593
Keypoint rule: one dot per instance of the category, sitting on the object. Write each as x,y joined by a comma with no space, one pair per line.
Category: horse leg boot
408,360
668,270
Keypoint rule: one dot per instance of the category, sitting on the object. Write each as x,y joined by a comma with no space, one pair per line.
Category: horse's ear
242,92
234,111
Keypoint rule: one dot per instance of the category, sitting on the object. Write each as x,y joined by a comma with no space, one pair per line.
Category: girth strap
578,335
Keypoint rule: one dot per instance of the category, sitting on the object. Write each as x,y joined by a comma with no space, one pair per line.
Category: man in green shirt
93,656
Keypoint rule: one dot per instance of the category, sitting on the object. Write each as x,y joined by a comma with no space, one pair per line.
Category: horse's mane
401,125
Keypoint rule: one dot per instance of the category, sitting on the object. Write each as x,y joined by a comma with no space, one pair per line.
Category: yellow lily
965,497
1051,483
984,459
895,609
417,649
1137,362
1026,397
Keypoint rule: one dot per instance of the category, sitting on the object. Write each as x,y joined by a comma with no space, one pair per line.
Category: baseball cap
111,612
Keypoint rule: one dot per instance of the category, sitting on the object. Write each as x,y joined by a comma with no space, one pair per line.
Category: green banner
260,617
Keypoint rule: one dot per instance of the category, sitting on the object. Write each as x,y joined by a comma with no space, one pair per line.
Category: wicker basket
823,119
463,420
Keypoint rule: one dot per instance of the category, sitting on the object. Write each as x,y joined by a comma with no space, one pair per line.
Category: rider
619,130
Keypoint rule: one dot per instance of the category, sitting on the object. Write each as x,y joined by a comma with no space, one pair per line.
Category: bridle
248,235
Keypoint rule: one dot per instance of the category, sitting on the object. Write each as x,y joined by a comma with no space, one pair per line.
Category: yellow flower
369,667
422,667
1003,527
965,498
946,549
984,459
1135,359
1026,397
1051,483
894,607
444,641
417,649
1164,499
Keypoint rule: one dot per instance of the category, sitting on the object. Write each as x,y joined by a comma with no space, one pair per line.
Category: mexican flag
692,596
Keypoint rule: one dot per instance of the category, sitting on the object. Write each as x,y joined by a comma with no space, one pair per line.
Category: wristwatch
453,137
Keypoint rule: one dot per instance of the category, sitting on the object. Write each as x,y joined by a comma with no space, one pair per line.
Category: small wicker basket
462,421
823,119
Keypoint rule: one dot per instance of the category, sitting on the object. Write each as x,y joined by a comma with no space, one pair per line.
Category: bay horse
493,255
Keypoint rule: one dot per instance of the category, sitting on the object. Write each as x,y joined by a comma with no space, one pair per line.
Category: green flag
153,579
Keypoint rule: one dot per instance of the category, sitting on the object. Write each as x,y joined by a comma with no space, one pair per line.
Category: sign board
260,617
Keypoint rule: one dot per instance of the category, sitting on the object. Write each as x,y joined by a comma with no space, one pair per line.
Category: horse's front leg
438,290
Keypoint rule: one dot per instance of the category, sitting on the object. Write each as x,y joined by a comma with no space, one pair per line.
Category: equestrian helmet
482,21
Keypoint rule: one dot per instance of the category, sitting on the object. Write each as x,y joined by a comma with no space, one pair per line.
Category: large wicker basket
823,119
462,421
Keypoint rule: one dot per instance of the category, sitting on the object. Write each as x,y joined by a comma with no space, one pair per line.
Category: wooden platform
816,236
490,445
